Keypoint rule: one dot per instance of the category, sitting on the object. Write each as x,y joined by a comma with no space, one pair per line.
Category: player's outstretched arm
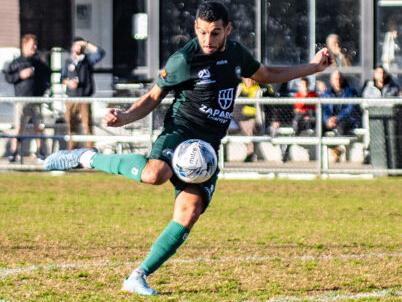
267,74
139,109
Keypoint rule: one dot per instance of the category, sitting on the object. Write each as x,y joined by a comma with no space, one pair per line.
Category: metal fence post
318,126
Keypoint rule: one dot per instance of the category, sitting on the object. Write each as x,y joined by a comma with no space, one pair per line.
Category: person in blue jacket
77,76
340,118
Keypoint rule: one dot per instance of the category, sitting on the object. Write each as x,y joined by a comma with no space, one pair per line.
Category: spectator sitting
304,115
320,88
382,85
340,118
390,45
31,78
334,46
77,75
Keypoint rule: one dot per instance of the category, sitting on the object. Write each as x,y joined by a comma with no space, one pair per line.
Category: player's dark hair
212,11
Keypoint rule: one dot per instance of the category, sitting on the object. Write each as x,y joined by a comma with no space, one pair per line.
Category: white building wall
99,31
100,28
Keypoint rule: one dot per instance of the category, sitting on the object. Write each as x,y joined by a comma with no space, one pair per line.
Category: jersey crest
225,98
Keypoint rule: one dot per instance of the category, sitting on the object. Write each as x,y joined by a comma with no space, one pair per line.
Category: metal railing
146,133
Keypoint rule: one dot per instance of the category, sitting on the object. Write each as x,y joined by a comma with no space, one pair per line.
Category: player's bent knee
156,173
153,178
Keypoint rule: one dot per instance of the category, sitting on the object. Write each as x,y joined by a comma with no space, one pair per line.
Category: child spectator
304,115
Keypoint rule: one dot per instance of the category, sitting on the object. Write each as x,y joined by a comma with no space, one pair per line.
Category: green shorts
163,148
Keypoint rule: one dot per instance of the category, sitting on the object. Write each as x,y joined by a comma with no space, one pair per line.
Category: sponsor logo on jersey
225,98
205,77
222,62
217,115
204,74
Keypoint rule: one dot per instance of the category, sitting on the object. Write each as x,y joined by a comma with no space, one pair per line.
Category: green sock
129,165
164,247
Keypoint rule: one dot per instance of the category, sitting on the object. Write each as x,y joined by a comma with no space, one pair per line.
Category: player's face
211,35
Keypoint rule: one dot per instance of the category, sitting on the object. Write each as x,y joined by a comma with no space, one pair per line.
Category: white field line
5,272
336,296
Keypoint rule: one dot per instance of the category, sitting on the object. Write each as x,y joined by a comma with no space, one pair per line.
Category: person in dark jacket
340,118
31,78
77,76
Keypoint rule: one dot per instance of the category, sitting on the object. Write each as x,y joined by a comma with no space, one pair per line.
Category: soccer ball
194,161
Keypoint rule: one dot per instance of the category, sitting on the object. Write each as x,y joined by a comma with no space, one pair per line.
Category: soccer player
204,75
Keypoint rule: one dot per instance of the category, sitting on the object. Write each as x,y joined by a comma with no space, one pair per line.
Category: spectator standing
340,118
382,85
338,58
245,116
77,75
304,115
31,78
390,45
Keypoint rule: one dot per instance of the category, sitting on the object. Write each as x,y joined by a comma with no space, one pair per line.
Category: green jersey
204,88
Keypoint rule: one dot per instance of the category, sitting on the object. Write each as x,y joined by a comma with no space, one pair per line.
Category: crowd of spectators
30,76
337,119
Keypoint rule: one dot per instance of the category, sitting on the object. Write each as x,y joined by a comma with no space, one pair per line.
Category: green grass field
74,238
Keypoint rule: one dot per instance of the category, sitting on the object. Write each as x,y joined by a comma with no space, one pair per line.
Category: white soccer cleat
136,283
65,159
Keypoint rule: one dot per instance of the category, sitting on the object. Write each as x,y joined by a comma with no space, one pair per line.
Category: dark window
128,52
244,22
389,39
285,32
177,24
49,20
340,17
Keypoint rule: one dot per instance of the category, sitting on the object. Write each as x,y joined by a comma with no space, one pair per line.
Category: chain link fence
270,139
